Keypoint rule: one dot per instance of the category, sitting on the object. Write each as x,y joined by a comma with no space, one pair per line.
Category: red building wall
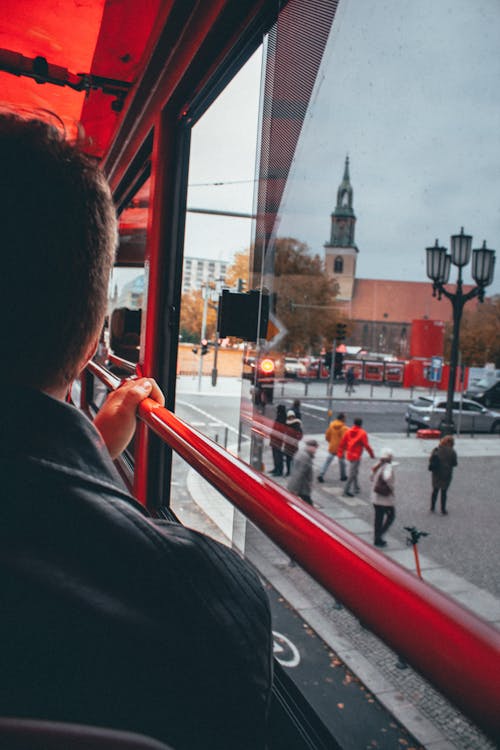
427,338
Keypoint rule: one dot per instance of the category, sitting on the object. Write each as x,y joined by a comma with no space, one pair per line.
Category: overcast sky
410,91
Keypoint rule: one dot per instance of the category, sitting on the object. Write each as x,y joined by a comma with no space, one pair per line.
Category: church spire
346,170
341,251
344,194
343,217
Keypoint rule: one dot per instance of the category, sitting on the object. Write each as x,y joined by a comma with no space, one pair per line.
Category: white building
198,270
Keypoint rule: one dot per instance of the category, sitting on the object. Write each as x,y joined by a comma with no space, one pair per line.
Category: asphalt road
212,415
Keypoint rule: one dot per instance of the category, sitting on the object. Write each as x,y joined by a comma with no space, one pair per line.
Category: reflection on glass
128,284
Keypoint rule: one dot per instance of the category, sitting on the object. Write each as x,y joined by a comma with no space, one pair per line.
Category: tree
239,269
480,334
305,297
192,316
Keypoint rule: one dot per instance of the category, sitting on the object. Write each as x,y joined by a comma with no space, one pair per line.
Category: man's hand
116,420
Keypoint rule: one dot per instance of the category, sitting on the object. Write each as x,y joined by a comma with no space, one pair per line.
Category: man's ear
89,353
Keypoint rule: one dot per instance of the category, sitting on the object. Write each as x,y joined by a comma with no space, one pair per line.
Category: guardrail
450,646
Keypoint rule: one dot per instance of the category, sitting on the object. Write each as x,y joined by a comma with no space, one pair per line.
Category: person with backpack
382,496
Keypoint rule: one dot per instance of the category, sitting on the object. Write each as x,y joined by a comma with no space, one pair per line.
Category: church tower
340,251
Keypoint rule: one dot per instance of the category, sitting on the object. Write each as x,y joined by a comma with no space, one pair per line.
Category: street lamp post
438,270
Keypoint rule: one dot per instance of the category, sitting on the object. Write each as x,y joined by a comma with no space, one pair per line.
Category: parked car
429,412
485,393
294,368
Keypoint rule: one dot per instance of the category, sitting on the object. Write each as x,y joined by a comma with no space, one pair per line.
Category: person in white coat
382,496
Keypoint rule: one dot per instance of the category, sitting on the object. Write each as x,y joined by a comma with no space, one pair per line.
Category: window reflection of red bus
373,372
394,372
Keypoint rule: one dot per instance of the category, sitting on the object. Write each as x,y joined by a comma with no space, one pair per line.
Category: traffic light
264,381
204,347
341,331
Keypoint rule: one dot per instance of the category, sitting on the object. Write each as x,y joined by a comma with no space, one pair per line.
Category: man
352,445
300,482
383,496
350,377
108,618
333,435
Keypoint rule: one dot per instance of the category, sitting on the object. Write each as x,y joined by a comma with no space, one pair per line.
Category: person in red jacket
354,441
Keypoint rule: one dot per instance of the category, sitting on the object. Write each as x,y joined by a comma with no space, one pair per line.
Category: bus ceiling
83,54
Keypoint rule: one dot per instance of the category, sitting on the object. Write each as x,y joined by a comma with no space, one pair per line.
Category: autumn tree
305,297
192,316
239,269
479,334
302,295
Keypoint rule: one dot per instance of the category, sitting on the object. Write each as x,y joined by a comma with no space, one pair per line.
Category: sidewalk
314,389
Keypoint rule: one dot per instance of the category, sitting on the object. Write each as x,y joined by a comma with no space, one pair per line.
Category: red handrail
450,646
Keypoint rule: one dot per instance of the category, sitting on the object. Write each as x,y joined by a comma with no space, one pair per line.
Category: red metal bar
124,364
450,646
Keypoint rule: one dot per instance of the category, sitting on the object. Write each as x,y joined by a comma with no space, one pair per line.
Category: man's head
58,235
358,421
312,446
341,417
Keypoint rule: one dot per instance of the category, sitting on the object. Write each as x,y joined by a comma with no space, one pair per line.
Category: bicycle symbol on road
285,652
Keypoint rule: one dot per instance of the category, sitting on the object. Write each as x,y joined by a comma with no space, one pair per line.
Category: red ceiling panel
103,37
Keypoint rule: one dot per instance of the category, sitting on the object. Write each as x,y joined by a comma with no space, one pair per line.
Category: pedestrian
350,377
442,461
300,482
293,434
353,443
382,496
277,439
333,435
296,408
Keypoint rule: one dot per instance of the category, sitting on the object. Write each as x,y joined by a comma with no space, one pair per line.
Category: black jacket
108,617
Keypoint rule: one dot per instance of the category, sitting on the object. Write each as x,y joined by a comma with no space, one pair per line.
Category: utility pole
204,292
330,380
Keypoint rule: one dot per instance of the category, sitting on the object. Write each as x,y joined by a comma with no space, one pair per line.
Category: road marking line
206,414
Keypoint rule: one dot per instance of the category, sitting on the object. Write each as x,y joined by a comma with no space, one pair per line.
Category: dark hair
58,230
341,416
358,421
281,413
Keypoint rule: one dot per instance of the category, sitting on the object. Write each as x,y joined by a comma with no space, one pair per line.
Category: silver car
470,416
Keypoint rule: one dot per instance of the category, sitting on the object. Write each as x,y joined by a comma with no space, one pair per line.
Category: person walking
334,434
354,441
301,477
382,496
296,408
293,434
276,440
442,461
350,377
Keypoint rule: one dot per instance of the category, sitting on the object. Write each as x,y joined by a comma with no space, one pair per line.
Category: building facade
197,271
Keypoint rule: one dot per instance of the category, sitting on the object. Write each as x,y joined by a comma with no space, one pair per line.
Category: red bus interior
136,78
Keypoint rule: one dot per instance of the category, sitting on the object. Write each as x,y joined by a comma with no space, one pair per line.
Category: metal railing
451,647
